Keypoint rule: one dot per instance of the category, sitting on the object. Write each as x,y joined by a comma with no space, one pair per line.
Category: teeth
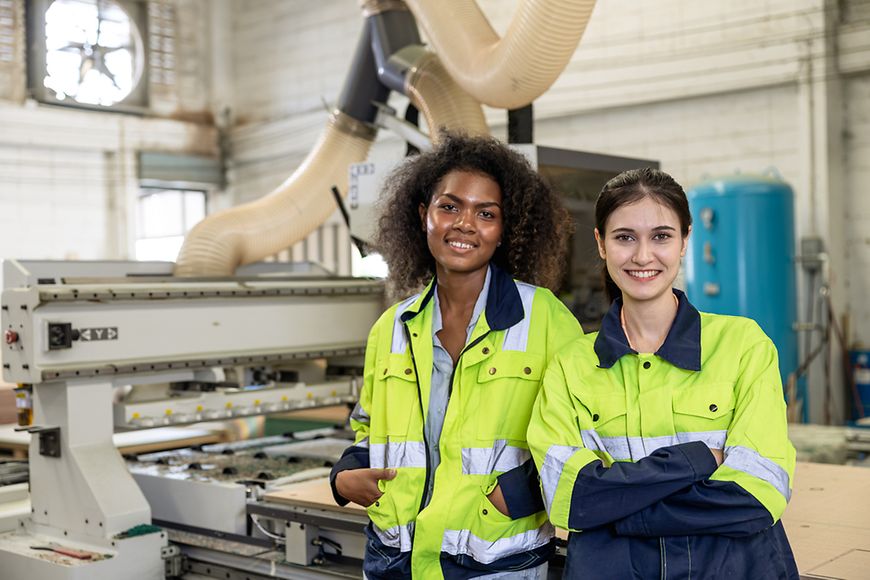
642,273
461,245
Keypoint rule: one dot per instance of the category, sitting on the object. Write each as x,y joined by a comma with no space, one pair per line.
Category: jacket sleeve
521,491
563,327
708,507
520,486
583,488
357,455
750,490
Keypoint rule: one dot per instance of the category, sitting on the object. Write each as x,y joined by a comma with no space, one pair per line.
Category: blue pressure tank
740,258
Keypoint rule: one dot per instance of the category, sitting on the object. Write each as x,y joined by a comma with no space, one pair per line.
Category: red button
11,337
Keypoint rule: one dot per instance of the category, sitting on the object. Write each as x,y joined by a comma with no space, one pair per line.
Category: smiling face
463,222
642,247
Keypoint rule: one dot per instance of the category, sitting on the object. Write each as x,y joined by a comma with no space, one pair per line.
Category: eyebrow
655,229
460,200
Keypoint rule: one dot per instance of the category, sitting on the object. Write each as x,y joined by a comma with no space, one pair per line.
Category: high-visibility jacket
496,379
621,442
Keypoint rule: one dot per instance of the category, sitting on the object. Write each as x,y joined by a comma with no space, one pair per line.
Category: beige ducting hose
508,72
252,231
443,103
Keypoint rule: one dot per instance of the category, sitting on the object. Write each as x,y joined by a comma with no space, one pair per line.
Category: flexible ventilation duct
473,65
255,230
443,102
508,72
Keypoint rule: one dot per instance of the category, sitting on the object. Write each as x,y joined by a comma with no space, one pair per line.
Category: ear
600,244
686,243
422,209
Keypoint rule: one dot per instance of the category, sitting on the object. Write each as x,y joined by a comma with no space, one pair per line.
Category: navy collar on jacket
682,346
504,307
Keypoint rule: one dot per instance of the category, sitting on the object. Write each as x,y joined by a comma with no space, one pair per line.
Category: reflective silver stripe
517,336
400,341
363,443
499,457
457,542
359,414
551,470
635,448
753,463
397,454
400,537
617,447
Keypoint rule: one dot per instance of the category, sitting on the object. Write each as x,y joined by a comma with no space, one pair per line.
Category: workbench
827,520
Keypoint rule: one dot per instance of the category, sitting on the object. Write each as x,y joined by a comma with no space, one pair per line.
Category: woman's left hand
496,498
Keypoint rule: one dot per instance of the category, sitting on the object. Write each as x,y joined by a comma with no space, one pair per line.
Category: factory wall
857,223
68,177
706,88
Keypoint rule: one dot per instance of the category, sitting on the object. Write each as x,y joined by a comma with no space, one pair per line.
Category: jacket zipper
664,556
425,499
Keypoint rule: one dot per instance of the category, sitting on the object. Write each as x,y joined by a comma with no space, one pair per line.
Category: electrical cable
280,539
331,543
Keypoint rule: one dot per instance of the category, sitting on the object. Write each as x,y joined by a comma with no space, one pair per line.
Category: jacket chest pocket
607,417
508,383
608,414
704,408
397,396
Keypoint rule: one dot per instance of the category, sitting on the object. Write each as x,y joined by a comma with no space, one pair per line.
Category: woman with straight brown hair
661,440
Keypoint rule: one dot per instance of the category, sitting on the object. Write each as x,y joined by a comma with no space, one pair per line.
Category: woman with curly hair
440,457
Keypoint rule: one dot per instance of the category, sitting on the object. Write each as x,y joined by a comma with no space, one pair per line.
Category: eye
486,214
662,237
447,207
623,238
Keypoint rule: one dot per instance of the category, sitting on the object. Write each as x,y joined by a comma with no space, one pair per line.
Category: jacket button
527,370
385,371
377,504
492,371
485,512
714,408
408,371
595,417
646,365
485,350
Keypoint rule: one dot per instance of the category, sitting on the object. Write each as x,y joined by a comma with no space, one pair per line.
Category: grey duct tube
406,66
508,72
361,90
396,45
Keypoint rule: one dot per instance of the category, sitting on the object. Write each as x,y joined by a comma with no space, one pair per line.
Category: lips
461,245
643,274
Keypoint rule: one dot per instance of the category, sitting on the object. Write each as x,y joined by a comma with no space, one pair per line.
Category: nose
642,255
464,221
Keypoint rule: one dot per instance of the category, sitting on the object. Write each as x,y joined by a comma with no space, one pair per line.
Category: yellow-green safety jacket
496,379
621,442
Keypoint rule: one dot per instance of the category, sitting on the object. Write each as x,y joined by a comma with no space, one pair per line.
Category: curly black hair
536,226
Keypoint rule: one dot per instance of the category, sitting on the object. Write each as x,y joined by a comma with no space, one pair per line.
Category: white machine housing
76,330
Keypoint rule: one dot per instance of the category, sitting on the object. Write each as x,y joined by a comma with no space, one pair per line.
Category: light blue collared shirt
442,372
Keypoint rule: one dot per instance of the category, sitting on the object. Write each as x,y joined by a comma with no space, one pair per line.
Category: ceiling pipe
508,72
388,56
